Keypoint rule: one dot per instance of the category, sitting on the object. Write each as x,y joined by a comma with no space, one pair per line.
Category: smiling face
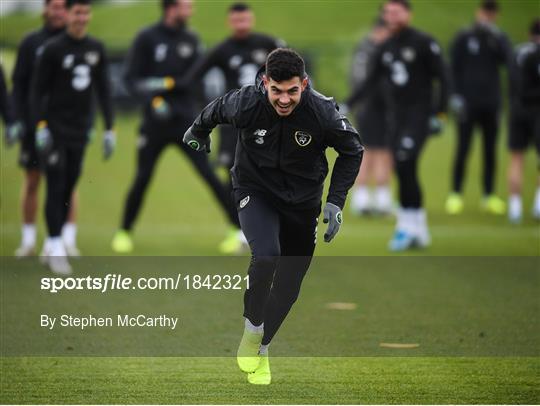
284,96
78,17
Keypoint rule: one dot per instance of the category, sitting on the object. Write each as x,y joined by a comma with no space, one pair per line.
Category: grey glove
332,215
458,106
109,144
44,141
14,132
197,143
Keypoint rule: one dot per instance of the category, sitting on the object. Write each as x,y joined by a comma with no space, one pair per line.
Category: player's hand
457,106
197,143
156,84
14,132
44,141
436,124
109,144
333,217
160,108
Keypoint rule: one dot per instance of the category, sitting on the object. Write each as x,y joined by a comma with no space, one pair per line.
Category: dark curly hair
284,64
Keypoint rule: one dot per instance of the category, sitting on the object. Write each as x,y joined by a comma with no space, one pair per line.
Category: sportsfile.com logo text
116,282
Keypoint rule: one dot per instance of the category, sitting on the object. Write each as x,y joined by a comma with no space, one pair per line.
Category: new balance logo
260,133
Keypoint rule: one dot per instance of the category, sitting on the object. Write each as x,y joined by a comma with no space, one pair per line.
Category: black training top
476,56
68,74
530,78
30,49
159,51
285,156
410,60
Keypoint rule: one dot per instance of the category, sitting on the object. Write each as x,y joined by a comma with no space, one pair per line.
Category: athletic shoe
72,251
454,204
122,242
262,375
494,205
247,355
234,243
25,251
401,241
59,265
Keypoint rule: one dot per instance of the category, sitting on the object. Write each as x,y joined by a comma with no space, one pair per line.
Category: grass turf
180,218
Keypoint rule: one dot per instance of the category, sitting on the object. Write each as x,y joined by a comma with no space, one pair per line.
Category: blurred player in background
411,60
284,128
70,71
373,120
12,130
161,56
524,120
31,47
239,58
476,56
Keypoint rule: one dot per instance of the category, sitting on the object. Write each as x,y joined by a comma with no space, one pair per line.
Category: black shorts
373,125
63,156
524,130
28,155
410,131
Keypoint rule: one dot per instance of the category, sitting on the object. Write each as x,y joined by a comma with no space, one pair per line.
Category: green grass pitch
179,219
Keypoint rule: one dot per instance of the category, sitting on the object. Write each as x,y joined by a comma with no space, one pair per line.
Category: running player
284,128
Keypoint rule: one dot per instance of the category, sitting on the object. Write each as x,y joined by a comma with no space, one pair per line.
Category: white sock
254,329
360,198
515,207
383,198
263,350
242,238
406,220
69,234
56,247
29,233
537,202
421,224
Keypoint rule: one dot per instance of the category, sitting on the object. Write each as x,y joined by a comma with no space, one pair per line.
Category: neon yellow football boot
122,242
262,375
494,205
247,355
454,204
234,243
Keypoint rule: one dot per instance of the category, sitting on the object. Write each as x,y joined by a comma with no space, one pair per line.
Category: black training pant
150,148
62,168
488,120
408,137
282,242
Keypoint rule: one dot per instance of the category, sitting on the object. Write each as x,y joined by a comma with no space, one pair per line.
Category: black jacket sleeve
199,69
439,72
21,78
344,138
137,64
232,108
456,57
5,105
103,89
41,85
530,80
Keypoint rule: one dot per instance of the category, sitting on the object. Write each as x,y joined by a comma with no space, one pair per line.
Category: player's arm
530,83
372,77
139,62
5,105
439,72
201,66
21,78
223,110
43,78
344,138
103,90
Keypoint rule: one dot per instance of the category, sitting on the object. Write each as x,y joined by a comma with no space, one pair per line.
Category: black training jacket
285,156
